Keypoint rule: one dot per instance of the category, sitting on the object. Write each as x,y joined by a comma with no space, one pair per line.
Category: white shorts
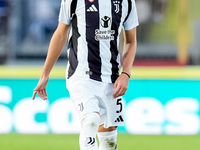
90,96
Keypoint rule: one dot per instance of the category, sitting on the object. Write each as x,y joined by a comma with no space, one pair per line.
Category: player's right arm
57,43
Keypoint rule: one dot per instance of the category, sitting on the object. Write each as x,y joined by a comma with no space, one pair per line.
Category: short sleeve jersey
94,36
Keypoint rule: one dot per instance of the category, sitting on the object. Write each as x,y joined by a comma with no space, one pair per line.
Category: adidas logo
92,8
119,119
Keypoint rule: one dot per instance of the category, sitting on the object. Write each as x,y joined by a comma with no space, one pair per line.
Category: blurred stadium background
162,104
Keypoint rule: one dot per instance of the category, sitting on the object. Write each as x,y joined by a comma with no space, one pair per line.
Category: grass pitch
125,142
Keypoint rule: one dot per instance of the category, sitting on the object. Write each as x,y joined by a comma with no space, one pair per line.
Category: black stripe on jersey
73,7
73,42
116,19
92,23
129,9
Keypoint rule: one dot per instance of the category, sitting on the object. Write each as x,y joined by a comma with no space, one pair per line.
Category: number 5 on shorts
120,105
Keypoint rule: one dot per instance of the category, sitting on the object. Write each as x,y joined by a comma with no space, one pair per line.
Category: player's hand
121,85
41,88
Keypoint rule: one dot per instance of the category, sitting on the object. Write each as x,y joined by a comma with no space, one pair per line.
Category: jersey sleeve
65,16
132,20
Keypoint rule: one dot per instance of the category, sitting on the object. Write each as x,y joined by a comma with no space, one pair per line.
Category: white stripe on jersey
82,49
105,44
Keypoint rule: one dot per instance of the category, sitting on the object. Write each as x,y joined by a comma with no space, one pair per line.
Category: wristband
126,74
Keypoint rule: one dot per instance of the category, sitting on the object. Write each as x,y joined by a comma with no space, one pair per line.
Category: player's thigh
83,99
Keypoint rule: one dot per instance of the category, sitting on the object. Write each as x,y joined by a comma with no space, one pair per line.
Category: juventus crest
116,3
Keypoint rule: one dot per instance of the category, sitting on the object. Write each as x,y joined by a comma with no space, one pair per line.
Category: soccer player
93,76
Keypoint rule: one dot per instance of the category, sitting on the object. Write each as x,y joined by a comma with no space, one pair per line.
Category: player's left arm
130,43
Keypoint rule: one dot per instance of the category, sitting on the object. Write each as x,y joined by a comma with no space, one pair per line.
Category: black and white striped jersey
94,36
